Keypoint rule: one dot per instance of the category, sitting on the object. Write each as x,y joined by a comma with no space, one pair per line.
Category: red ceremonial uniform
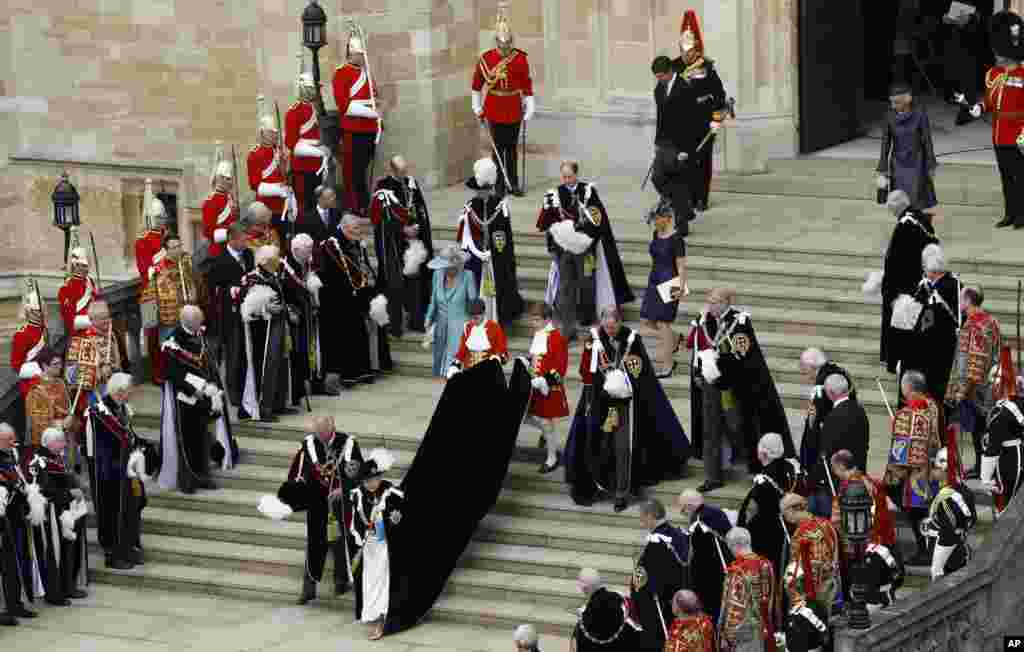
585,374
302,138
75,297
552,365
497,345
148,248
352,86
25,345
748,598
264,166
507,81
219,212
1004,97
354,93
691,634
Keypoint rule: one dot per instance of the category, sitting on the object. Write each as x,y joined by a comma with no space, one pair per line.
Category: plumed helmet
153,210
77,256
266,120
223,169
485,172
1006,34
268,123
690,37
377,463
356,40
502,29
305,81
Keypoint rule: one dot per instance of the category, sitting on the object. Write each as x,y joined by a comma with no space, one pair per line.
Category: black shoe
341,588
701,206
269,419
286,411
138,558
59,603
963,116
188,490
119,564
546,468
78,594
583,501
708,486
1018,225
368,380
19,611
7,620
243,415
308,592
1006,221
621,505
207,483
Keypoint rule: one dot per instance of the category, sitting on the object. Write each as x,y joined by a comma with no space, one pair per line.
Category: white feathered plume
872,287
485,172
708,359
313,283
617,384
36,505
568,238
383,458
414,256
70,517
137,465
257,300
3,500
379,310
905,312
273,508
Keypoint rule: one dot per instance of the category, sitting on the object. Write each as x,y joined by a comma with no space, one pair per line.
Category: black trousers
406,296
506,139
195,442
672,179
119,517
317,545
700,166
358,151
1011,171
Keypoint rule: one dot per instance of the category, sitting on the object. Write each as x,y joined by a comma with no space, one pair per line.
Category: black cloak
661,448
305,324
500,243
424,556
708,560
660,572
902,273
760,512
810,442
390,244
605,626
933,342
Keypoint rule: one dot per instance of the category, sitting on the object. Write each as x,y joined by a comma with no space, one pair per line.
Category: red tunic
300,123
1004,97
219,212
495,337
75,297
377,206
147,246
691,634
25,345
505,88
352,85
553,366
264,166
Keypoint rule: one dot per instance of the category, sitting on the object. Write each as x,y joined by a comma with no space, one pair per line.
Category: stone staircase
804,291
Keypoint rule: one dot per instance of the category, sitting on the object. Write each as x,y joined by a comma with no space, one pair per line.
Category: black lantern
855,505
314,21
65,209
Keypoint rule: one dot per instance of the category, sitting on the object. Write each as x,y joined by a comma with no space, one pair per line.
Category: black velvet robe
362,505
760,512
305,326
390,244
604,626
708,559
268,342
503,253
902,273
933,342
810,443
224,323
660,572
661,448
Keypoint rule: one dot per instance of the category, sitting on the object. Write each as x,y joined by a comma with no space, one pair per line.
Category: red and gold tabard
813,569
748,598
27,342
219,212
353,91
175,287
1004,98
915,441
504,82
47,404
481,342
691,634
88,351
75,297
549,359
977,352
264,166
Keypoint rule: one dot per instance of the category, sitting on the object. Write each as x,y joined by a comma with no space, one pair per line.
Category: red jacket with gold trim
508,81
219,212
264,166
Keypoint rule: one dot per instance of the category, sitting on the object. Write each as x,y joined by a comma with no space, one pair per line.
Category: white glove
478,107
682,156
452,370
959,98
273,190
211,390
220,235
540,383
217,404
529,106
484,256
976,111
882,181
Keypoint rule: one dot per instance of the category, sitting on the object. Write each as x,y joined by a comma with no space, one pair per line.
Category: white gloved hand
682,156
220,236
959,98
452,370
485,256
976,111
882,182
273,190
210,390
540,383
478,107
217,404
529,107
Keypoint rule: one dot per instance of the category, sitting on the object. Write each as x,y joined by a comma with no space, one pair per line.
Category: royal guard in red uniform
549,362
77,293
266,165
503,98
302,138
355,93
27,342
748,598
149,252
1004,98
482,339
219,209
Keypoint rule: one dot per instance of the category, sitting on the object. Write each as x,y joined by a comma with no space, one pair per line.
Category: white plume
617,384
905,312
36,505
414,257
70,517
313,283
709,365
257,299
3,500
568,238
137,465
384,459
485,172
379,310
273,508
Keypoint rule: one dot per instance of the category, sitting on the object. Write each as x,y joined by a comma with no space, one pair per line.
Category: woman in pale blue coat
449,300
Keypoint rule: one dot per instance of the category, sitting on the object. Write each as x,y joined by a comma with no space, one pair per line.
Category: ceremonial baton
96,262
46,331
650,169
885,399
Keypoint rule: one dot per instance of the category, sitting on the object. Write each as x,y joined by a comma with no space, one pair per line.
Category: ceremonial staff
96,263
34,288
234,178
286,171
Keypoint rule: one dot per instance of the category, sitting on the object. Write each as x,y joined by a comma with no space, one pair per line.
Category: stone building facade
115,92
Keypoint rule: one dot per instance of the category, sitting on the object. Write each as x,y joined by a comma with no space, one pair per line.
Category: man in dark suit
669,173
845,428
322,221
225,274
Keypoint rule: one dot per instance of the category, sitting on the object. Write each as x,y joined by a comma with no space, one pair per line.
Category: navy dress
664,252
908,155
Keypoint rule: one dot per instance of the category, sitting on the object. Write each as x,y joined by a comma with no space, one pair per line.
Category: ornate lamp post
855,506
65,209
314,37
